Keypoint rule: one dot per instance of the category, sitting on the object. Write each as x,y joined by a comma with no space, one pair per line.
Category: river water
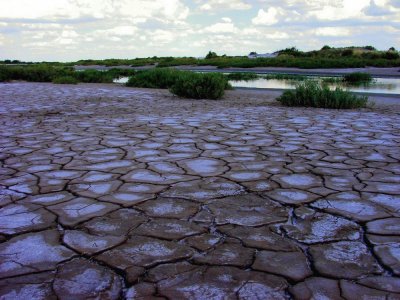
378,86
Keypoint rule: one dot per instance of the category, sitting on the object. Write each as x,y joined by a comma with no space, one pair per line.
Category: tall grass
285,77
199,85
48,73
182,83
246,76
357,77
313,94
154,78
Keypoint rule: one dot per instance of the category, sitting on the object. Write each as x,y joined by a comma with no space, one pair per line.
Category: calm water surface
379,86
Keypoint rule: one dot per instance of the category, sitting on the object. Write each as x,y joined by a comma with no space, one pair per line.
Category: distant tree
347,52
392,49
371,48
326,47
253,53
211,54
391,55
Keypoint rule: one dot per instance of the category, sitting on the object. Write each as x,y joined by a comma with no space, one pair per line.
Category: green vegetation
65,80
331,80
285,77
326,57
154,78
94,76
211,54
357,77
242,76
49,73
182,83
38,73
313,94
199,85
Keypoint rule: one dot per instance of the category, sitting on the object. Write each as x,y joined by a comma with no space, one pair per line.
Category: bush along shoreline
313,94
182,83
57,74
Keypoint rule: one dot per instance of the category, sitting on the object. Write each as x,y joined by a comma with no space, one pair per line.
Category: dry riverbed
117,192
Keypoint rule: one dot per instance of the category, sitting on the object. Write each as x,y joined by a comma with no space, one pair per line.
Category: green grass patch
182,83
199,85
154,78
313,94
49,73
65,80
246,76
285,77
357,77
94,76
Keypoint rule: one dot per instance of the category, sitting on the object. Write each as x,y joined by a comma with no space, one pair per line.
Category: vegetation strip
313,94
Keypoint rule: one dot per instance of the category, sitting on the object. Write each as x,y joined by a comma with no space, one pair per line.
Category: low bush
199,85
34,73
246,76
357,77
94,76
65,80
285,77
154,78
4,74
313,94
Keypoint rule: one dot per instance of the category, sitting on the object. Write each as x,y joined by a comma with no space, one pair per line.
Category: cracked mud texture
108,192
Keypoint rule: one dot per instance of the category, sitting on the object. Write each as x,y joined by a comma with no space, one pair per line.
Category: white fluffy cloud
332,31
72,9
342,9
269,17
77,29
224,4
226,26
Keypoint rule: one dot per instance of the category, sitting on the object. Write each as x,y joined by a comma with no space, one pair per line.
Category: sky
69,30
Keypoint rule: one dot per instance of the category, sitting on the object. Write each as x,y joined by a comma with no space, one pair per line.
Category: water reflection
379,86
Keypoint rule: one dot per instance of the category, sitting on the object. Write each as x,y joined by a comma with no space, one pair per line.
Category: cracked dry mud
108,192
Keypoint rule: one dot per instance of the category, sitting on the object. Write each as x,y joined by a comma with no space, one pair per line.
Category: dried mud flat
108,193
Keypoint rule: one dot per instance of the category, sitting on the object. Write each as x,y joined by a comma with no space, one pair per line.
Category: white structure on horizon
265,55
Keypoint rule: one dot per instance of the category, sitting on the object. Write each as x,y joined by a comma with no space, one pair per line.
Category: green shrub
199,86
94,76
4,74
391,55
247,76
312,94
285,77
35,73
210,55
65,80
154,78
357,77
347,52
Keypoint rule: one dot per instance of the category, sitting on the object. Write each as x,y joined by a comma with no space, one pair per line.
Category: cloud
76,29
167,10
226,26
224,5
341,9
268,17
332,31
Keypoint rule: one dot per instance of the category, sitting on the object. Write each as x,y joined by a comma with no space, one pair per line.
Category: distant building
265,55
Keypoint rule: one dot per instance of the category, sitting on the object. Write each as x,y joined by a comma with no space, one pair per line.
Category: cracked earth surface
115,193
